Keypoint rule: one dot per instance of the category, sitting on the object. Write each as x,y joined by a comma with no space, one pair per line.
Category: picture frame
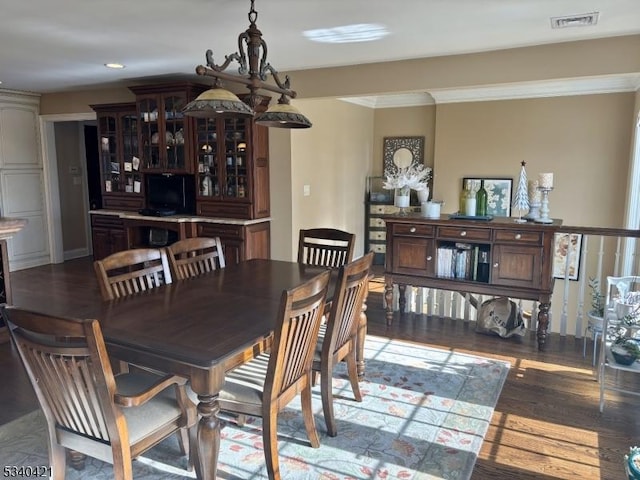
498,193
563,244
402,152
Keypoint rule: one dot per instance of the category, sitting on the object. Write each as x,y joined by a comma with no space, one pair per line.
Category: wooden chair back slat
195,256
132,271
325,247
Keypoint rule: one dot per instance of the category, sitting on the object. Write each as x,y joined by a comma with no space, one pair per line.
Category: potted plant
625,350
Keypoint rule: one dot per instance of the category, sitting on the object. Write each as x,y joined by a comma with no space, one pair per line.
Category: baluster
616,269
581,288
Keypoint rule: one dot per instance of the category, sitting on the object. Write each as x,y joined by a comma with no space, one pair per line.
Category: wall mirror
402,152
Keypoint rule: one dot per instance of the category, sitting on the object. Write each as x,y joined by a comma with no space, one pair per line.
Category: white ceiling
50,46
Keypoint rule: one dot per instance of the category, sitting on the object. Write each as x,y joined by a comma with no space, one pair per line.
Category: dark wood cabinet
108,235
227,161
240,241
120,175
232,156
498,257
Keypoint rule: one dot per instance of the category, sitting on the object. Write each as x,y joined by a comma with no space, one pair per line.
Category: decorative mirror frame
393,144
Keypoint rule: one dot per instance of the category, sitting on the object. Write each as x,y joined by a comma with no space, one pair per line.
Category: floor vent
582,20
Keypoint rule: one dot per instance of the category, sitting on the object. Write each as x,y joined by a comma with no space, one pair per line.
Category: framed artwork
498,194
567,244
402,152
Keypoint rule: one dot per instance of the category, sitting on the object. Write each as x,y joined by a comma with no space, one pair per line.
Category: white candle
546,180
534,194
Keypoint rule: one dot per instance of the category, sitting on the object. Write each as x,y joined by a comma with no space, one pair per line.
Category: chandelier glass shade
253,71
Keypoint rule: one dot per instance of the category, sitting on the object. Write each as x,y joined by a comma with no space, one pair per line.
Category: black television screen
175,193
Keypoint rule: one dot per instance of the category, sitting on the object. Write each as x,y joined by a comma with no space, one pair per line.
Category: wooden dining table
201,327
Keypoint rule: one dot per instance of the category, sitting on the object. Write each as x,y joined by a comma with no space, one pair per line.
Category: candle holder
534,212
544,206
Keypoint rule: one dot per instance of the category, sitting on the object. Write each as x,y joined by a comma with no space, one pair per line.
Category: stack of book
459,260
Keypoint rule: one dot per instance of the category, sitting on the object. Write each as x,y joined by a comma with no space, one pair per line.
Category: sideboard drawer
463,233
413,230
514,236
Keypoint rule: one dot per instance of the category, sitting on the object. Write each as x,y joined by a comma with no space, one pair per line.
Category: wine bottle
481,200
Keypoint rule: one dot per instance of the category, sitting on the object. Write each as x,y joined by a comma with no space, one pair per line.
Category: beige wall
584,140
69,142
333,158
617,55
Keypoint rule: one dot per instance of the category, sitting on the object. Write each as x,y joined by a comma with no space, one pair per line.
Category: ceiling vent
582,20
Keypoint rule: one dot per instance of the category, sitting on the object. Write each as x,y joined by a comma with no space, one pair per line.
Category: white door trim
50,169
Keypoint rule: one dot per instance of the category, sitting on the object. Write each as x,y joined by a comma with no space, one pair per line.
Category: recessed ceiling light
361,32
116,66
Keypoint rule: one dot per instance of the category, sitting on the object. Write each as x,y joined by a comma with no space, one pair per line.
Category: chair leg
307,415
352,369
326,391
58,461
270,441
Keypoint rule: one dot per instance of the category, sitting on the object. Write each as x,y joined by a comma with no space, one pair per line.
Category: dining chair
132,271
325,247
337,338
89,410
263,386
195,256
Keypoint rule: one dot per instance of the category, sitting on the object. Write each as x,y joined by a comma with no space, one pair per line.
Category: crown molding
549,88
509,91
416,99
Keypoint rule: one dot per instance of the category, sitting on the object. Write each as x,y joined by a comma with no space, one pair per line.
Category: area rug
424,415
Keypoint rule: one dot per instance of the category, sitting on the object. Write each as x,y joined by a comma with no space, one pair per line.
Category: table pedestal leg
388,298
208,437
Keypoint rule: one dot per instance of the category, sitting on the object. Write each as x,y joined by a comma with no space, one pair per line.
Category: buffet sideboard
498,257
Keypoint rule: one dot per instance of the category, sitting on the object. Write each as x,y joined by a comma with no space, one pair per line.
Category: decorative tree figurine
521,199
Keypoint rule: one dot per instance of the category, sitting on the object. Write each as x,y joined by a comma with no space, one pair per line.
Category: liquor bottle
481,200
241,189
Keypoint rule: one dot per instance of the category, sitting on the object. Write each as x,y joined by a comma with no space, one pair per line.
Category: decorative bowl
621,355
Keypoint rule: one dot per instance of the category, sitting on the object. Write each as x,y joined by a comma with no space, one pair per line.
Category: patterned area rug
424,416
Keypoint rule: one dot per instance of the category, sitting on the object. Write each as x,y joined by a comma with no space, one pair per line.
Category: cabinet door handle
495,265
518,236
463,233
429,258
412,229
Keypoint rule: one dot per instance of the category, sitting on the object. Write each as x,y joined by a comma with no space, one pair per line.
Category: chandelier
253,70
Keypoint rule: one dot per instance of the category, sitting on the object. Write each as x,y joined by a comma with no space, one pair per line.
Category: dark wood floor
546,424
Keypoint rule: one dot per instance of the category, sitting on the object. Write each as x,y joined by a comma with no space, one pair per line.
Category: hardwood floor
546,424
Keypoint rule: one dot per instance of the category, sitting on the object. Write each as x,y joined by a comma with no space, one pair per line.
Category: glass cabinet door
109,164
208,161
150,133
236,150
174,132
130,168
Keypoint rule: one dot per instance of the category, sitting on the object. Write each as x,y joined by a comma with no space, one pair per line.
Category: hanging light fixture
253,70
